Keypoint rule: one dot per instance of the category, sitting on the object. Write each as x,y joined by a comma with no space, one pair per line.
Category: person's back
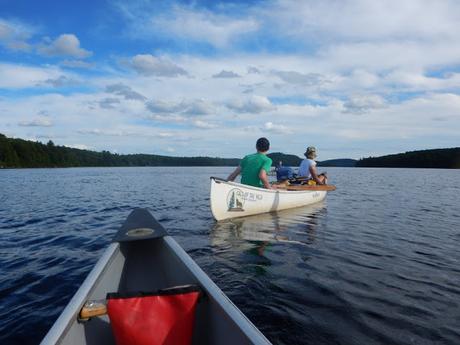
307,168
304,168
254,168
251,166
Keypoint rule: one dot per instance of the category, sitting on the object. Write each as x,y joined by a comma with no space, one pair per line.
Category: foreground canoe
144,258
231,199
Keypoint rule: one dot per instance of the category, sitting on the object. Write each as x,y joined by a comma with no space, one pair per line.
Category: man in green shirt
254,168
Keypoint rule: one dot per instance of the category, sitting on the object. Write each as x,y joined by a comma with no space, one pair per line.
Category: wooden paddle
320,187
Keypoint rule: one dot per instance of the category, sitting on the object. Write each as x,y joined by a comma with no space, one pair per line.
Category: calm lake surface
377,263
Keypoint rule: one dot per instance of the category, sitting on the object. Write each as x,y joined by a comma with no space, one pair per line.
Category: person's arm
234,174
314,174
264,178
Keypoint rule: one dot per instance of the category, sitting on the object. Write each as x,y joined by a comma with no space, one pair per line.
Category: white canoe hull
232,200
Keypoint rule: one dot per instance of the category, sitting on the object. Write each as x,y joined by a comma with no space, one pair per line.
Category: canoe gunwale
224,308
212,290
70,313
259,189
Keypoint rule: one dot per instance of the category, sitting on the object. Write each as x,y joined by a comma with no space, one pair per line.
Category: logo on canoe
235,200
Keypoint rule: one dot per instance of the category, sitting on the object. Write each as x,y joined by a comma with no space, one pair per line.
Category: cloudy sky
354,78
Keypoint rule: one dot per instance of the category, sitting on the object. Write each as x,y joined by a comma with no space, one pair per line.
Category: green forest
286,160
18,153
437,158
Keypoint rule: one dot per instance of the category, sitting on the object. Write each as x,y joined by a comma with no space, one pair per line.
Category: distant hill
288,160
294,161
342,162
437,158
18,153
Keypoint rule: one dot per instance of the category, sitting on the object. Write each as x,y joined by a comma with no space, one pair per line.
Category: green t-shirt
251,166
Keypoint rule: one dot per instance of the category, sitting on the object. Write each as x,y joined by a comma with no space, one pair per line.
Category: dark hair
262,144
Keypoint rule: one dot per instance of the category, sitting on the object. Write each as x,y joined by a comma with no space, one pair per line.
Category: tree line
19,153
437,158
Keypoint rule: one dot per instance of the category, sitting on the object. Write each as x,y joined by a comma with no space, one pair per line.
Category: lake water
377,263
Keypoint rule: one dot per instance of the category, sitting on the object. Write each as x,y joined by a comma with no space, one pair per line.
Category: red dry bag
165,317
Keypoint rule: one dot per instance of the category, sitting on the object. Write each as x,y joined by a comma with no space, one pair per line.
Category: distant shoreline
24,154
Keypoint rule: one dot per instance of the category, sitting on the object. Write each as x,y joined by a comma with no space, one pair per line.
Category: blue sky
355,78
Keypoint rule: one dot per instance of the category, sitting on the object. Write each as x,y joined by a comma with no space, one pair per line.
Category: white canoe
231,199
144,258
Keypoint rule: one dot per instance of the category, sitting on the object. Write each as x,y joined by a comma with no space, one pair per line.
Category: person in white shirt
307,168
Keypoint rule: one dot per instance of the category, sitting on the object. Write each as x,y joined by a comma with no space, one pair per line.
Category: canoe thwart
140,225
92,309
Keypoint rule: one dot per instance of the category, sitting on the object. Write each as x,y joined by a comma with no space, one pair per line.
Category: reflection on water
295,226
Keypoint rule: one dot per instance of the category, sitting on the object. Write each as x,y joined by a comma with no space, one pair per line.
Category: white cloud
163,107
6,31
124,90
226,74
60,81
76,64
64,45
203,26
167,118
185,107
164,134
109,103
253,70
382,56
203,124
124,133
397,69
197,107
36,122
14,35
360,104
416,81
361,19
18,76
149,65
254,104
364,78
276,128
293,77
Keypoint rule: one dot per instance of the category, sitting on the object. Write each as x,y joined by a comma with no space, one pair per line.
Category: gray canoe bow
143,257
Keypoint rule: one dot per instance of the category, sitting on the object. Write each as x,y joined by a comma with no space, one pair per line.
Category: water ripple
377,263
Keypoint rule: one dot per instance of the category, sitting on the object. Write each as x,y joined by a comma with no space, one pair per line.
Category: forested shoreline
19,153
437,158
